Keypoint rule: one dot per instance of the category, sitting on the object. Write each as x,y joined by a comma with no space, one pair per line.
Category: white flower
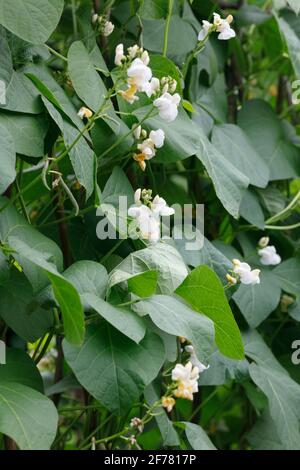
147,219
108,28
145,58
160,207
263,242
137,132
247,276
269,256
168,106
157,137
206,27
139,74
95,18
223,27
137,197
85,113
119,55
152,87
194,359
187,377
147,149
132,51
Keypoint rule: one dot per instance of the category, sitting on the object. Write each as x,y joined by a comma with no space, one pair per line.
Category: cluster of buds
137,423
168,84
243,273
104,27
147,146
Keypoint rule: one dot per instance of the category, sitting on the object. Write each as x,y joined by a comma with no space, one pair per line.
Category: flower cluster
220,26
242,272
140,79
268,254
147,146
146,212
104,26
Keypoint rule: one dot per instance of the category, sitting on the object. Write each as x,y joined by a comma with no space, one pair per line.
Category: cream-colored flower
168,403
129,95
119,55
85,113
167,105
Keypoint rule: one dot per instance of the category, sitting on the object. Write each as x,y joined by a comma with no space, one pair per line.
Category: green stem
110,252
57,54
74,19
45,347
167,27
283,227
285,212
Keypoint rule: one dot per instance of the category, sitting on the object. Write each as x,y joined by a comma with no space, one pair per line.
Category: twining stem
282,227
167,27
285,212
74,19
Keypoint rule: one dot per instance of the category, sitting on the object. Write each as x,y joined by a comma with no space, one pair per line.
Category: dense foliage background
94,328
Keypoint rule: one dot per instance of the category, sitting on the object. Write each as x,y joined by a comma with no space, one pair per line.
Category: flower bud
263,242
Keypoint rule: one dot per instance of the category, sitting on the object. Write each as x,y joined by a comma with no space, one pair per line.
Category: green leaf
154,9
8,159
288,275
203,290
81,155
64,292
30,20
251,14
238,150
257,302
123,319
21,410
28,132
20,368
230,184
162,258
88,277
208,255
223,370
153,36
264,435
114,369
284,402
21,95
20,310
144,284
250,209
13,224
169,435
163,67
48,87
176,318
86,81
117,185
292,41
197,437
266,133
